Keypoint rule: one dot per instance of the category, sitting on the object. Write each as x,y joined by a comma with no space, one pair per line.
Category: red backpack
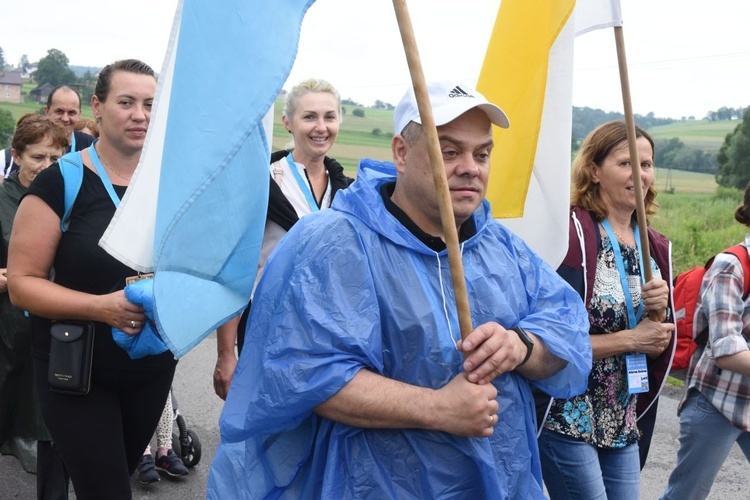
687,287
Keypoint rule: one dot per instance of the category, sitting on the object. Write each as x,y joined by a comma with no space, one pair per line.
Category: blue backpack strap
71,168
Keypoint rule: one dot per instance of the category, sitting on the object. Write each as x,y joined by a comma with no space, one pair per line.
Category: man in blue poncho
352,382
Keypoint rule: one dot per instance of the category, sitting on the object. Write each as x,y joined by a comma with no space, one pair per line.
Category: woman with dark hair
101,435
36,144
589,444
715,411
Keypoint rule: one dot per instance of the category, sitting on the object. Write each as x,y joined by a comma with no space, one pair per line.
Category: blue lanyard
633,315
103,174
73,141
303,185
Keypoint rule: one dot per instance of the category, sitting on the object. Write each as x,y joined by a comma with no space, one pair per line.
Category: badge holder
637,370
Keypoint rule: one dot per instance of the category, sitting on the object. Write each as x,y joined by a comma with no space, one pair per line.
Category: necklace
620,238
118,174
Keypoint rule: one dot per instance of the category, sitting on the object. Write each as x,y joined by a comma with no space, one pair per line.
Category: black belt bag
70,357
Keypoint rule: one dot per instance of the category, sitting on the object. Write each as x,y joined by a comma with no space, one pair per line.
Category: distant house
29,73
10,86
41,93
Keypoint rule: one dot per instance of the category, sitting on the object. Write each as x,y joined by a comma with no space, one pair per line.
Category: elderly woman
101,435
590,444
303,180
37,143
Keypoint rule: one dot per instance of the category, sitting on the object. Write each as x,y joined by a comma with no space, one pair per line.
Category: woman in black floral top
590,444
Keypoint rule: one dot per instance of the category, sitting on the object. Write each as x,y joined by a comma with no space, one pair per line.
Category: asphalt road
200,408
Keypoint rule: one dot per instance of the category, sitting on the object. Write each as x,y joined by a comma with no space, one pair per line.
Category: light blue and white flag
206,155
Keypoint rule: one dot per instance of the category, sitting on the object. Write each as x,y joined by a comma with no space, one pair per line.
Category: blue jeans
577,470
706,437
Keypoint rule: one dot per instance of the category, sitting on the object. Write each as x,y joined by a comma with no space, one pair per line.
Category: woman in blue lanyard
590,444
303,180
101,435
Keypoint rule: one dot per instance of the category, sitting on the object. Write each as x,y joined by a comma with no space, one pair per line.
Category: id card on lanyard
635,364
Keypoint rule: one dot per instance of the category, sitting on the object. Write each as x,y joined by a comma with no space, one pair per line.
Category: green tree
53,69
2,59
359,112
86,86
734,156
23,63
7,126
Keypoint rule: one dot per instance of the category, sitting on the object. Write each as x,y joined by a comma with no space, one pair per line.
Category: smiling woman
607,429
303,180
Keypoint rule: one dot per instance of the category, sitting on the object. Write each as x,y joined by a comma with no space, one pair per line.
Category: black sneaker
171,464
146,471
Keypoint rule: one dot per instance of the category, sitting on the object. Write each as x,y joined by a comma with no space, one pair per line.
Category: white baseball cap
449,101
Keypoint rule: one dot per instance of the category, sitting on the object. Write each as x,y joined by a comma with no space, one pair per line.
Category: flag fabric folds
597,14
206,155
528,71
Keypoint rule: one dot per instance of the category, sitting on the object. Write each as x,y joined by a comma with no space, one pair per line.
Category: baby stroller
186,444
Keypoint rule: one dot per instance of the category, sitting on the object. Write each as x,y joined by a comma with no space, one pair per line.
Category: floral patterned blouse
604,415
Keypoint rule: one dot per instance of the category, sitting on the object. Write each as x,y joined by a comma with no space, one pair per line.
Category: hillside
702,134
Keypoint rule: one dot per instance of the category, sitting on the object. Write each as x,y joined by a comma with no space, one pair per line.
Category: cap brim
446,114
496,115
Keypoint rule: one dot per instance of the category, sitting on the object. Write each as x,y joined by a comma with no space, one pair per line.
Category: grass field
684,182
699,225
697,133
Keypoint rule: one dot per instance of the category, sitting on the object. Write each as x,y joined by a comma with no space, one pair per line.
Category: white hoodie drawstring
442,294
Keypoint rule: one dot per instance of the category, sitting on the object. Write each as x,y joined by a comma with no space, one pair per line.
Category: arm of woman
738,363
649,337
33,245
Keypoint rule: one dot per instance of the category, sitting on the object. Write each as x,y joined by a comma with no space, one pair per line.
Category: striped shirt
722,309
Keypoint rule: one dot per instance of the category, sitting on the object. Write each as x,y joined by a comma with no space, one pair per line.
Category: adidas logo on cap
459,92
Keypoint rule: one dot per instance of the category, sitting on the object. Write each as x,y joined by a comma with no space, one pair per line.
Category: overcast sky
686,57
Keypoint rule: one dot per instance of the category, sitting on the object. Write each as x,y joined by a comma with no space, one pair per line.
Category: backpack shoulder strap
740,251
7,161
71,168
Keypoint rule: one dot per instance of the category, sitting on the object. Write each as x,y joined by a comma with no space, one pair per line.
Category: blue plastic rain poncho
351,288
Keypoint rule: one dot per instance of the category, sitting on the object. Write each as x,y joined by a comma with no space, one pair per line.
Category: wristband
527,342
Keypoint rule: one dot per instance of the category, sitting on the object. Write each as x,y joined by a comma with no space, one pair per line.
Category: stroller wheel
190,451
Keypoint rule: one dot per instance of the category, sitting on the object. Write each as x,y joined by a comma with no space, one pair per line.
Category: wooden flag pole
635,164
438,169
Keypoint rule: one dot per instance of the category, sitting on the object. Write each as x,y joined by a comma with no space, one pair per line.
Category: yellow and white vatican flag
528,71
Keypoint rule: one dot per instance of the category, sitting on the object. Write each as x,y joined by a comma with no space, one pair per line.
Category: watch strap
527,341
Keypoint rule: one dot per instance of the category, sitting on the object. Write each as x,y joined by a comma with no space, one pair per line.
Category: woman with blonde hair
303,180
